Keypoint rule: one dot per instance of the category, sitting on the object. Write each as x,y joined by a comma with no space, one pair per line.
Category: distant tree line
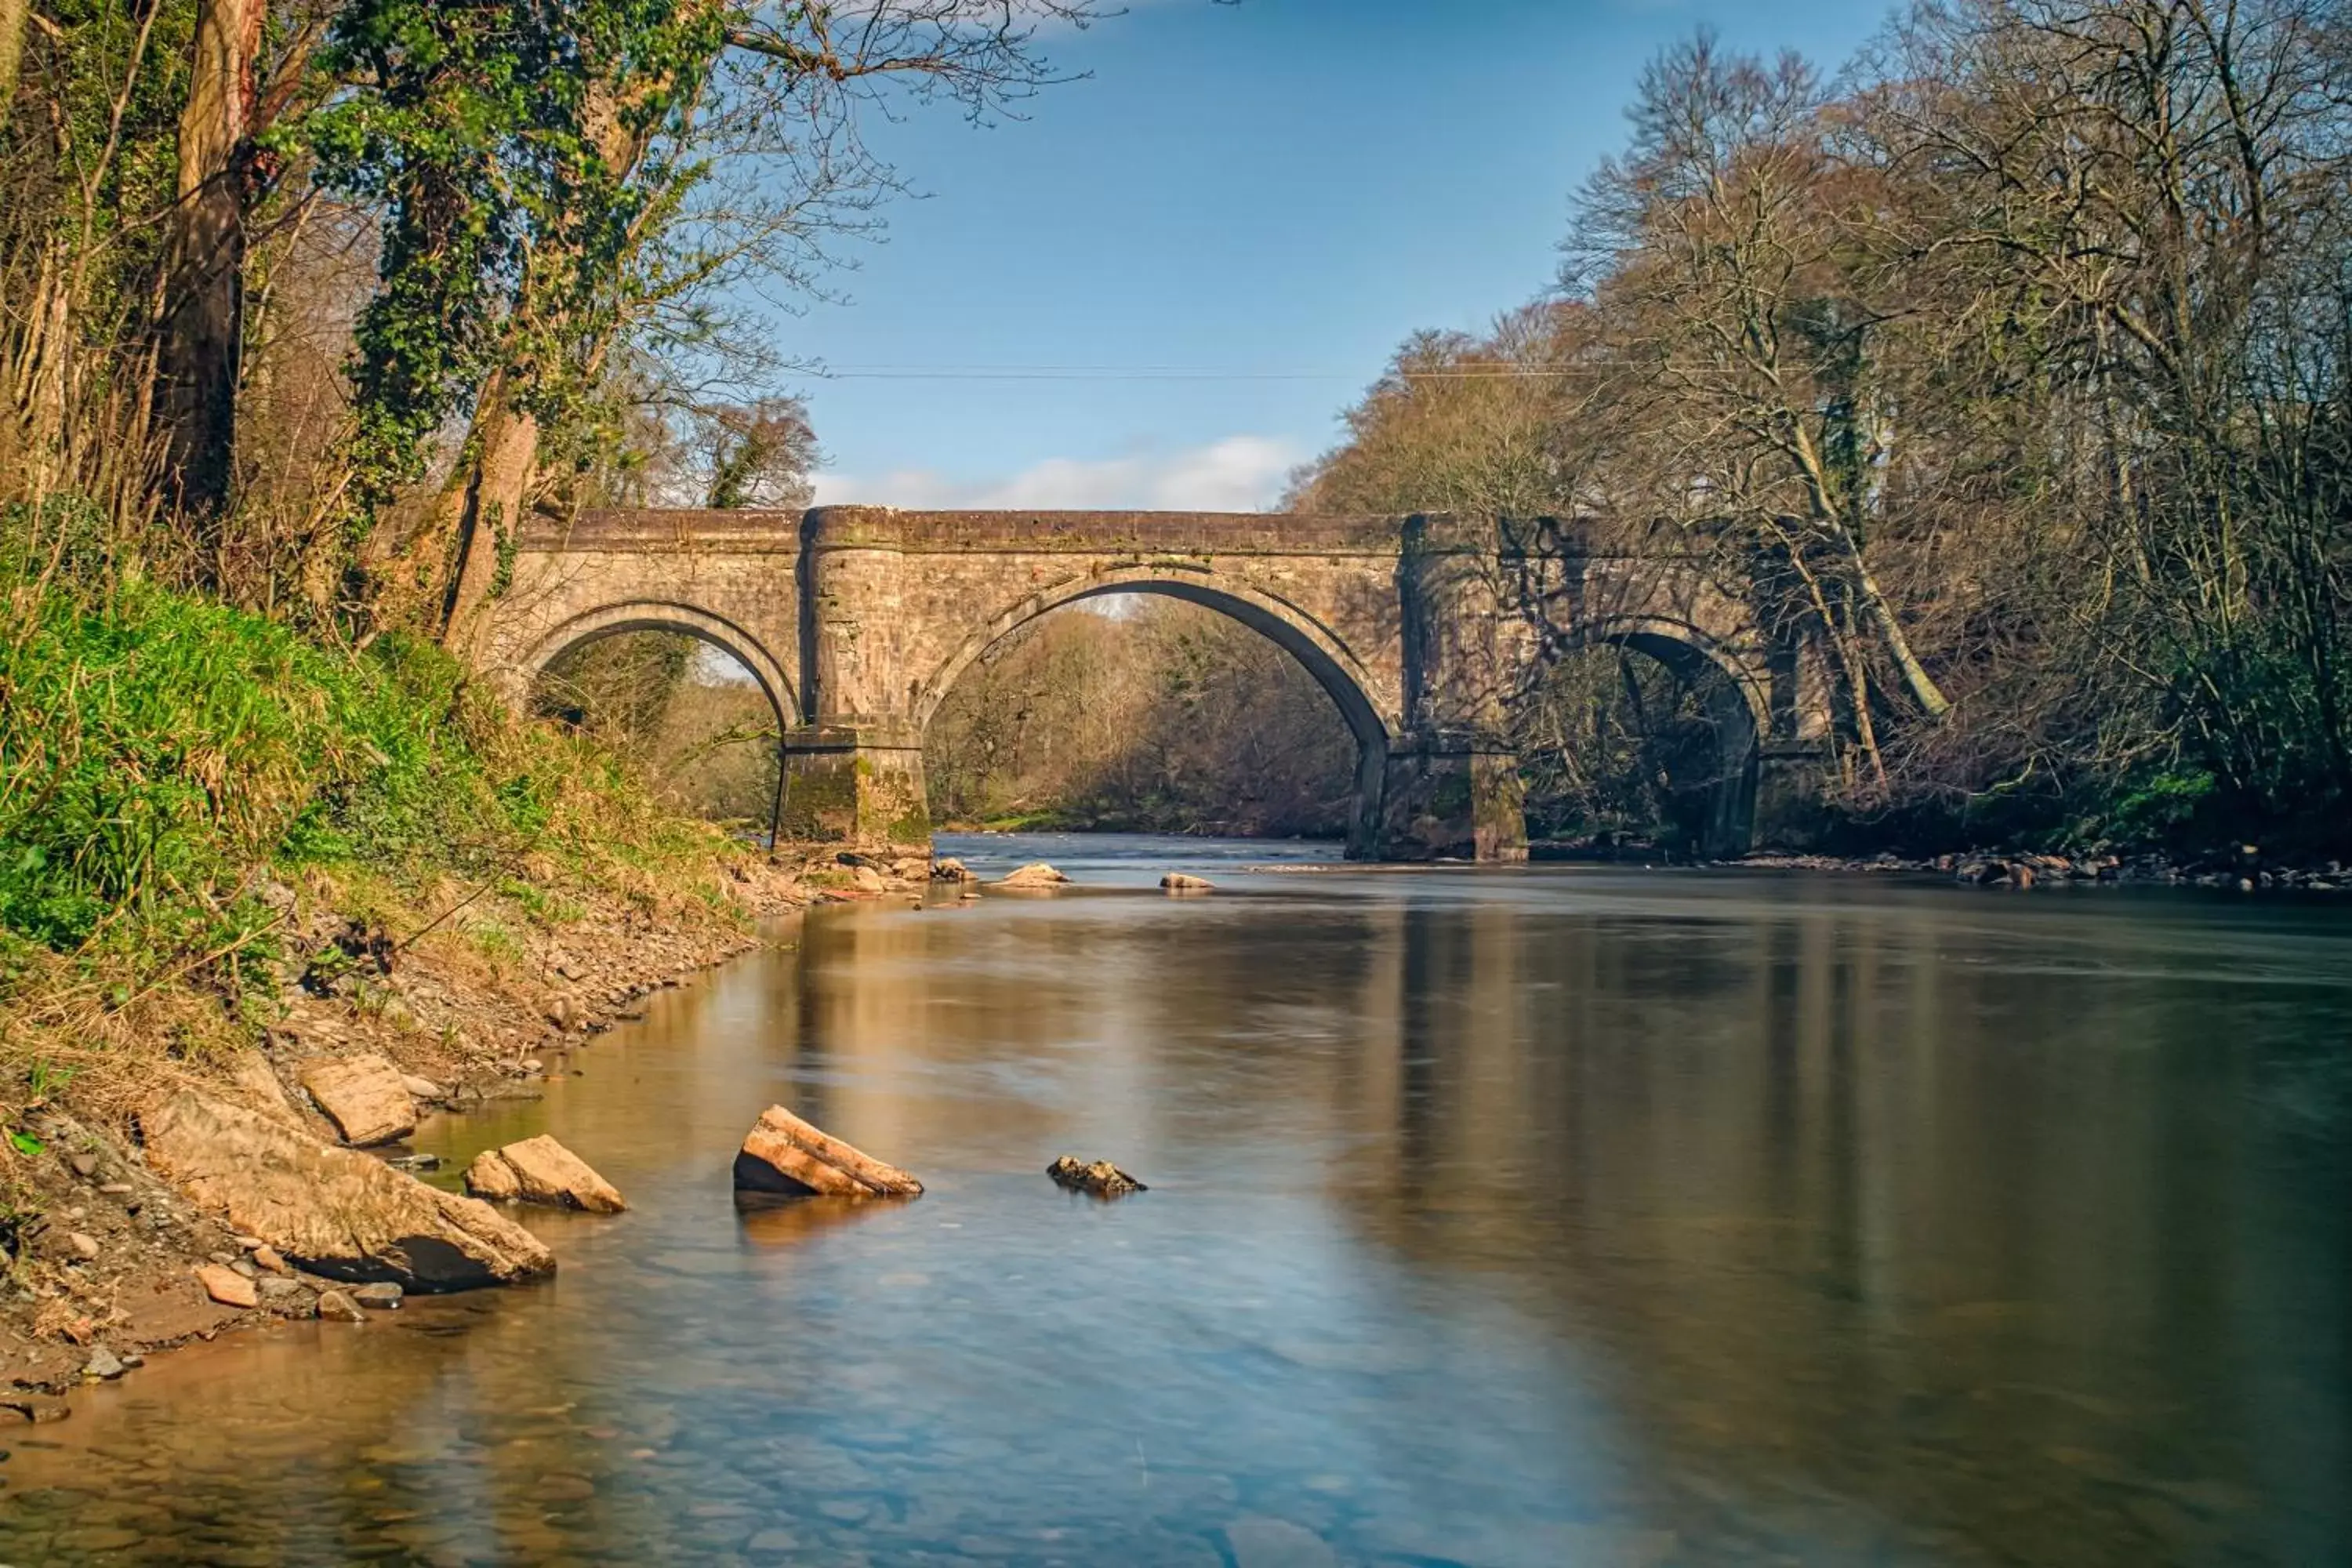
1162,717
2013,367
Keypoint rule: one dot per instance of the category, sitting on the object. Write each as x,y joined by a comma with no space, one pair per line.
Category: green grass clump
163,759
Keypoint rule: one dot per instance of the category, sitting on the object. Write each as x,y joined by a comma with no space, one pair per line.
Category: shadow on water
1542,1218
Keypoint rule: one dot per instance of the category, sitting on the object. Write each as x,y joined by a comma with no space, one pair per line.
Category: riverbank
484,1006
2247,869
480,1008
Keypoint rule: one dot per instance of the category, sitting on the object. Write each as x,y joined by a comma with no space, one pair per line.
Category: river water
1524,1217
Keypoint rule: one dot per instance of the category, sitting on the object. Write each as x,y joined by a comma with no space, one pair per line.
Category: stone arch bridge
857,621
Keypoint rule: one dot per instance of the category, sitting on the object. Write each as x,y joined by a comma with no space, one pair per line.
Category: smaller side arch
658,616
1737,701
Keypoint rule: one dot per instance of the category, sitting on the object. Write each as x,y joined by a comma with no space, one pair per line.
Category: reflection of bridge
857,621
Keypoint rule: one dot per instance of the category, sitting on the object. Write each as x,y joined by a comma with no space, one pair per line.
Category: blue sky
1273,193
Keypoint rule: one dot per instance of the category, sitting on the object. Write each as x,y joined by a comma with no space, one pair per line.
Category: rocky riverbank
120,1233
2248,871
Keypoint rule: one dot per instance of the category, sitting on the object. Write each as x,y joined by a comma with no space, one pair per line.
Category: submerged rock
333,1211
541,1171
1101,1178
786,1157
1179,882
1037,874
365,1097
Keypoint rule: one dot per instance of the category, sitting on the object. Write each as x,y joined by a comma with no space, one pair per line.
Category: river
1517,1218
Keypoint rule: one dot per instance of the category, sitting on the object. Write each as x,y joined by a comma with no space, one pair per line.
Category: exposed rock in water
340,1307
38,1408
420,1087
1179,882
383,1296
1101,1178
1037,874
334,1211
786,1157
541,1171
365,1097
948,868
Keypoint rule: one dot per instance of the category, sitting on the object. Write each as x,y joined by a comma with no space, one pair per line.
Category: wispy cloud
1239,473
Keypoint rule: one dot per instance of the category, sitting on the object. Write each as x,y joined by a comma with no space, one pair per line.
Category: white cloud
1239,473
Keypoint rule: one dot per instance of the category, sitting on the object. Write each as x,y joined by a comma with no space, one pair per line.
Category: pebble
268,1257
85,1245
384,1298
83,1164
245,1265
118,1189
104,1363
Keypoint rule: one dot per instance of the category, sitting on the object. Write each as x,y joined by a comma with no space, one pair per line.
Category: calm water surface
1515,1217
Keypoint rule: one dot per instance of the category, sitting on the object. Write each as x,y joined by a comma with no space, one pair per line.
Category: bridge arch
1320,651
662,616
1738,702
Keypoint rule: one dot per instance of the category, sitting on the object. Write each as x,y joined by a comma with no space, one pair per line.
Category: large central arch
1313,645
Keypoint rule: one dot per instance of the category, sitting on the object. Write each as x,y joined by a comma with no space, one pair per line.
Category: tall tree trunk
14,16
202,327
481,510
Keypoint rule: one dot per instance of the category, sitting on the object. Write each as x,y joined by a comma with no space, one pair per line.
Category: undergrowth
172,770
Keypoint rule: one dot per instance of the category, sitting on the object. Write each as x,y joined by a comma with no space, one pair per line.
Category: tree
561,182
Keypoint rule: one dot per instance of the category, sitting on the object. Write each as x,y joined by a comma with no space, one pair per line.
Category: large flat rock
333,1211
365,1097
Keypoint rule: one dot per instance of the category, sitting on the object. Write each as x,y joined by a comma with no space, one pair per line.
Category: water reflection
1525,1218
